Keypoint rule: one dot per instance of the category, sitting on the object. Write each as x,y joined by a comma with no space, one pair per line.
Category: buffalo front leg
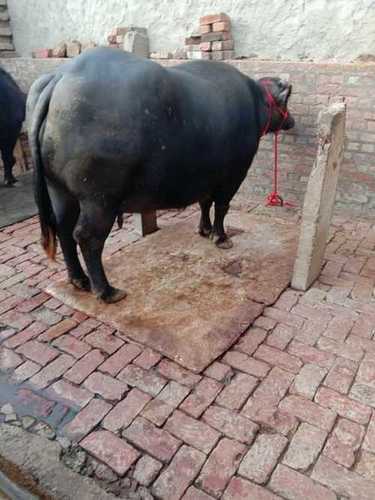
66,210
205,226
218,234
91,231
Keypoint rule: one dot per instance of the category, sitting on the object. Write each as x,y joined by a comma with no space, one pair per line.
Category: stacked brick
116,37
62,50
214,41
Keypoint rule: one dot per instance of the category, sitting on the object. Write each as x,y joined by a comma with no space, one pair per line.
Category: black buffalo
113,133
12,115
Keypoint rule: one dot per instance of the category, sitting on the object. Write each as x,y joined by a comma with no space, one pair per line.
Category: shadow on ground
17,203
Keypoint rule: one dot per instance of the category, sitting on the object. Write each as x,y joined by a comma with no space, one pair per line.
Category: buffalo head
277,93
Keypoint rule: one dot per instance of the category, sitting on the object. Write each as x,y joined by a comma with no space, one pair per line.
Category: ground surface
17,203
287,412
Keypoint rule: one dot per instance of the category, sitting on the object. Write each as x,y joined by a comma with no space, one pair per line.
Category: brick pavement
287,412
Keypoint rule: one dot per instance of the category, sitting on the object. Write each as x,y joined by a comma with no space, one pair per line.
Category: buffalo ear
285,91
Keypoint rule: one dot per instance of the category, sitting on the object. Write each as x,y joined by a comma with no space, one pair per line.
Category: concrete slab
187,299
17,203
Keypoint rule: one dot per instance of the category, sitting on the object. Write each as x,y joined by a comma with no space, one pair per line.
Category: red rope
274,199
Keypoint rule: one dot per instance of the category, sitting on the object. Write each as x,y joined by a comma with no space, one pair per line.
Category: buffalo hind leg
8,161
205,226
219,236
91,231
66,210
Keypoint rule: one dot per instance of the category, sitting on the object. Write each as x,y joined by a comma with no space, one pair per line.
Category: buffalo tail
38,103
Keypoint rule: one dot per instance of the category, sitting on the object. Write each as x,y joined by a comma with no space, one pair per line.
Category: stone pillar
136,41
320,196
145,223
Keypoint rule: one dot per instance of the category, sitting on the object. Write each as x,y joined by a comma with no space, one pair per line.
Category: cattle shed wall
287,29
315,85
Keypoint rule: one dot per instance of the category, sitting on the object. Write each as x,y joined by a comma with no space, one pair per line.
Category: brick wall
314,86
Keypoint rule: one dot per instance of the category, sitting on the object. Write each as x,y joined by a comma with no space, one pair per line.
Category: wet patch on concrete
188,299
17,203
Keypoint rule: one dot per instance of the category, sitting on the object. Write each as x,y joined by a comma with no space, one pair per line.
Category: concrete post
320,196
145,223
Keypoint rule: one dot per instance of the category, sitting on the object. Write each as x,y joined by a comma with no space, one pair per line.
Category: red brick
262,457
111,450
274,387
203,28
146,470
251,340
219,371
25,371
221,26
6,333
305,447
123,414
308,380
231,424
180,473
239,489
47,316
57,330
40,353
17,320
296,486
205,46
52,372
285,317
338,329
157,411
359,344
244,363
309,412
87,419
34,403
313,313
213,18
173,393
353,352
106,386
31,304
366,465
71,394
310,354
202,396
146,381
265,323
365,326
237,391
195,494
311,332
342,405
42,53
29,333
344,442
342,481
269,416
366,372
87,326
72,346
148,359
225,458
115,363
86,365
281,336
9,359
369,442
156,442
100,339
175,372
193,432
363,289
341,375
9,303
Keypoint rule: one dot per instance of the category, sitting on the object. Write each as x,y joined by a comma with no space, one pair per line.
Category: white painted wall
287,29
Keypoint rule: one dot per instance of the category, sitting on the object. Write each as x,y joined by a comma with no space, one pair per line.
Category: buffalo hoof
9,183
81,283
114,295
205,232
224,243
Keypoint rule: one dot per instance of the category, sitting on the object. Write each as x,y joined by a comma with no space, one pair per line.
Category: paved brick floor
288,412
